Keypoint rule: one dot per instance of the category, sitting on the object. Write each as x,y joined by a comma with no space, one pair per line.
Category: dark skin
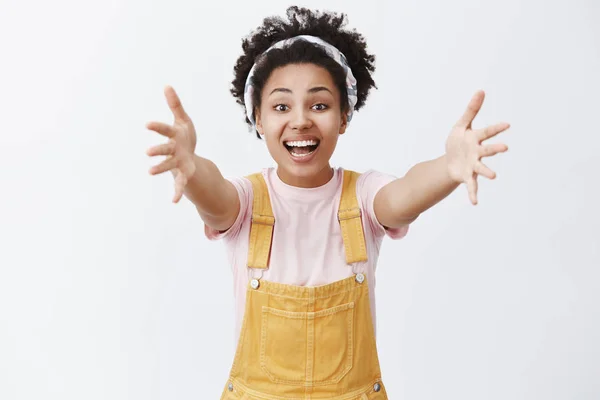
396,204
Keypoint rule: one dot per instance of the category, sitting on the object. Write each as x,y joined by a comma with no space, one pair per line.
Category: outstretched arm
401,202
215,198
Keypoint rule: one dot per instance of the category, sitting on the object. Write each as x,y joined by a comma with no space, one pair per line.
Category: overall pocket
299,348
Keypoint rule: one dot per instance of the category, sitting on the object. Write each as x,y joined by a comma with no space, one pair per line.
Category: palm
179,150
464,148
185,135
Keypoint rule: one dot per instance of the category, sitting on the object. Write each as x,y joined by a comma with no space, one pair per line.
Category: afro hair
329,26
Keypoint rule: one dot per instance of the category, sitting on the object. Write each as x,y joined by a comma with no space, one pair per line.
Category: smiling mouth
301,148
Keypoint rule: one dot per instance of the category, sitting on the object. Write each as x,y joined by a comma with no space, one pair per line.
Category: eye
320,107
281,107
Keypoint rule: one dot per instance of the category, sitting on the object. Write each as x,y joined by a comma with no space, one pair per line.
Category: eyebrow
311,90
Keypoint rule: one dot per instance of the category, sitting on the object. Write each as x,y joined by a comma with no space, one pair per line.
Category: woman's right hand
180,147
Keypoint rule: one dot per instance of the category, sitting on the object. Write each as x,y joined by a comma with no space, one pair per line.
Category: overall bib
300,343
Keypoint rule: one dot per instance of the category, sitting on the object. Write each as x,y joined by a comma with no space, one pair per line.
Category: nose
300,120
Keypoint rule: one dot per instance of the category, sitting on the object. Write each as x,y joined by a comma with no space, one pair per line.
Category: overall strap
261,229
349,215
263,221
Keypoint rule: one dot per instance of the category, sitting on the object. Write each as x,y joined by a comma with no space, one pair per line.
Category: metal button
360,278
230,387
254,284
377,387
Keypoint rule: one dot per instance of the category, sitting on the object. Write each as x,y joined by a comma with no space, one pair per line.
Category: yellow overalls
301,342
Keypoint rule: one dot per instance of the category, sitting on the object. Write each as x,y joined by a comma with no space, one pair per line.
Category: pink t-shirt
307,247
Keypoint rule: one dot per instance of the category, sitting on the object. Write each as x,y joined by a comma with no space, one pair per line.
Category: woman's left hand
464,148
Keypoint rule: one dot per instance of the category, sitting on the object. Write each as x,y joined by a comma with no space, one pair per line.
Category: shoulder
373,180
243,186
368,185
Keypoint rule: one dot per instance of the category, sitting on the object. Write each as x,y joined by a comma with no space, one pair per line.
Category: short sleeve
244,189
367,186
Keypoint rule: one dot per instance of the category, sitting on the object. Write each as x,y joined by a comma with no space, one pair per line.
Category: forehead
300,77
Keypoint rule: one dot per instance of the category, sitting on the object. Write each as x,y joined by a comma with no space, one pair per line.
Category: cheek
330,127
330,120
332,142
272,139
272,124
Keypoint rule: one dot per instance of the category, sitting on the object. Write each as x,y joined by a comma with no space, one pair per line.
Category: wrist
452,171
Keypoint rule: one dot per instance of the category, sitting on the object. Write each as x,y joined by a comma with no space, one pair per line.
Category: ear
344,123
259,127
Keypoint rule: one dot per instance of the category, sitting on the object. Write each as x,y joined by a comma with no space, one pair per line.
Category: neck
309,181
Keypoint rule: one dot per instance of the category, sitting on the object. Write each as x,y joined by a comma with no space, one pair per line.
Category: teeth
302,143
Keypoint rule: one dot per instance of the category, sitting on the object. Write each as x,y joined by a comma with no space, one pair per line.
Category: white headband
332,51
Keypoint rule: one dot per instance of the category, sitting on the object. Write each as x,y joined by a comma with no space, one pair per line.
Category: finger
492,149
482,169
472,109
472,188
175,104
164,166
492,130
180,182
166,149
163,129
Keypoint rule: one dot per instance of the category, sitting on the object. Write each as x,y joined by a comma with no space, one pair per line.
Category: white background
109,291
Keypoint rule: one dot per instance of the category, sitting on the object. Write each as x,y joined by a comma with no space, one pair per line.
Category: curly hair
328,26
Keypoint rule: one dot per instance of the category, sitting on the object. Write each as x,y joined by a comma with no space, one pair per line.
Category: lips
302,149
